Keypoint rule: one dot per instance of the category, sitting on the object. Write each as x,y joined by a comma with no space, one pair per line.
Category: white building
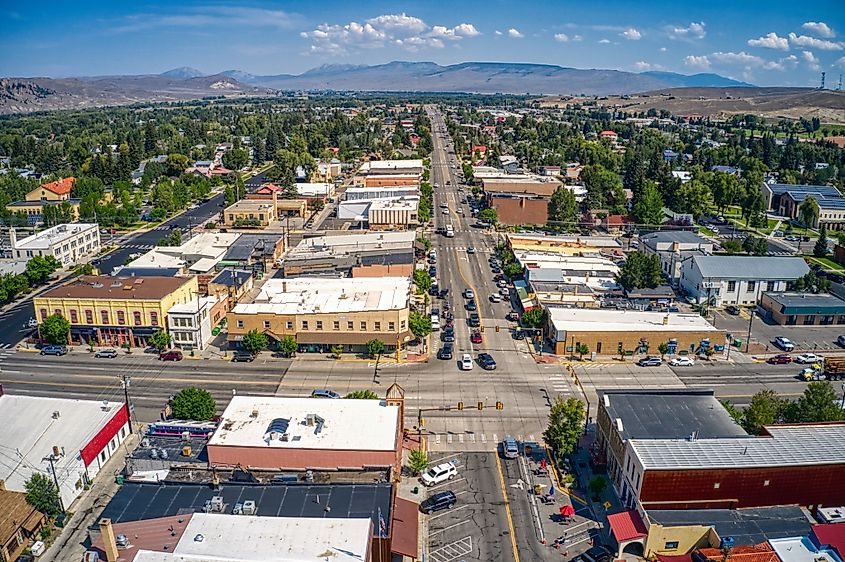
79,435
398,212
68,243
315,190
190,323
198,255
739,280
369,193
672,247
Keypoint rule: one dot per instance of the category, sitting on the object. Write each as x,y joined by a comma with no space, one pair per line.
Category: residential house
20,524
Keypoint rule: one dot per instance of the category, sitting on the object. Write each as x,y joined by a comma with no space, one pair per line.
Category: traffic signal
481,405
500,406
460,406
422,423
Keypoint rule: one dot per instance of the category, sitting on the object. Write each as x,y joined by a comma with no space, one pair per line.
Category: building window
751,286
240,323
73,317
765,482
289,325
89,316
731,286
717,485
104,316
305,324
402,325
670,545
377,326
391,326
809,319
363,326
153,318
121,317
350,325
44,314
770,285
791,320
266,324
336,325
319,324
57,311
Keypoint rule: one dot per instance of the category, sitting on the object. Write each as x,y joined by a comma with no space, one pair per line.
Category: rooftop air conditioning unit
254,414
249,508
56,414
163,453
216,504
186,436
284,437
122,541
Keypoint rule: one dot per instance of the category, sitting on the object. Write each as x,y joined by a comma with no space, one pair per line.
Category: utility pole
52,457
748,337
126,381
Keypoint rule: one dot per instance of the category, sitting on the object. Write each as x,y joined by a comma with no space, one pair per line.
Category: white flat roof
395,203
353,425
53,235
206,248
565,241
323,295
192,306
247,538
29,428
544,260
390,164
592,320
802,549
359,241
313,189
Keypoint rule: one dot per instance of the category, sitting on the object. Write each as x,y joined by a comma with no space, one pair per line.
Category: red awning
405,527
627,526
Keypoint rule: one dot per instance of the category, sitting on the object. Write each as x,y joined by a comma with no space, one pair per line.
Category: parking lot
805,338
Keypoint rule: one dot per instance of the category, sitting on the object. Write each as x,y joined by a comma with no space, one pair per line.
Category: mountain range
21,95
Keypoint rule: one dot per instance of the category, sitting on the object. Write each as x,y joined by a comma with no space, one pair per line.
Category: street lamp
748,337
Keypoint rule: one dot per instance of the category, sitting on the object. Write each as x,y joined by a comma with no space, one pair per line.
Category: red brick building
519,209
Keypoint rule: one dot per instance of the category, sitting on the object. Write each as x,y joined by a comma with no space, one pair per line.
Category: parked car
54,350
474,320
733,310
486,361
510,450
471,249
784,343
468,294
682,362
172,355
841,340
650,361
476,337
780,359
324,393
495,297
439,473
466,362
809,358
438,501
596,553
518,335
243,357
445,352
108,353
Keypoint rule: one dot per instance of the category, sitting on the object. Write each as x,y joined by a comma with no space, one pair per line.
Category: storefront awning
405,527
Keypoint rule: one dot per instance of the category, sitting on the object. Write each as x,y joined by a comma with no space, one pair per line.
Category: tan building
251,212
393,214
565,245
391,180
20,524
53,191
115,310
284,207
322,312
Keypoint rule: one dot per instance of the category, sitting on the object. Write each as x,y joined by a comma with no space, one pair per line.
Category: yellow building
564,245
251,212
116,310
53,191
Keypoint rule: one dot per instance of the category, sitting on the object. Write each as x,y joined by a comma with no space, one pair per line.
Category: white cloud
497,32
770,41
604,41
207,16
398,30
820,28
811,60
662,49
695,30
786,63
641,66
812,42
564,38
696,61
632,34
840,62
738,58
514,33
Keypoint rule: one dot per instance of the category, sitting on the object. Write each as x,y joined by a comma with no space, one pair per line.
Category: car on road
324,393
780,359
54,350
495,297
682,362
486,361
476,337
468,294
439,473
650,361
108,353
172,355
438,501
733,310
784,343
841,340
243,357
513,316
791,238
474,320
519,334
510,450
595,553
466,362
448,335
471,306
442,293
471,249
445,211
809,358
445,352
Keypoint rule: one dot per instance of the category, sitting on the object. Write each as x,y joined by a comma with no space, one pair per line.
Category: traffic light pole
460,406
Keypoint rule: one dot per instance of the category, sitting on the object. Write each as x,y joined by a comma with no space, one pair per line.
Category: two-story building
68,243
672,247
51,193
738,280
191,323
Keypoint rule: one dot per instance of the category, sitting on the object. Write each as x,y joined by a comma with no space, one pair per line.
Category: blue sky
768,43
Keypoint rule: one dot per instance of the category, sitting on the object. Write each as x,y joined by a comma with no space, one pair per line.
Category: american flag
382,526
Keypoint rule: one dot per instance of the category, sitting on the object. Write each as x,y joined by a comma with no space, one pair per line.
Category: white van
435,322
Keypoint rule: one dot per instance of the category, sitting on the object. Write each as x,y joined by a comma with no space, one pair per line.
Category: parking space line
447,483
447,512
447,457
444,529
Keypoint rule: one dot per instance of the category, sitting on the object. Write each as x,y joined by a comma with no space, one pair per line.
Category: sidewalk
68,545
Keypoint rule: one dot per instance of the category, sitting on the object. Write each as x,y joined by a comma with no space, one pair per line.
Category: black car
474,320
596,553
445,352
448,335
433,291
470,305
432,271
443,292
518,335
486,361
438,501
243,357
732,310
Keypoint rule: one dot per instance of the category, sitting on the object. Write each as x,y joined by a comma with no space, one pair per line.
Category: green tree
734,412
662,348
40,268
766,408
363,395
288,346
820,250
236,158
581,349
562,206
694,198
375,347
422,280
566,425
648,207
533,317
808,211
426,243
604,188
55,329
512,270
176,164
489,215
819,403
417,461
420,324
42,494
193,404
597,485
336,351
640,271
254,341
160,340
731,246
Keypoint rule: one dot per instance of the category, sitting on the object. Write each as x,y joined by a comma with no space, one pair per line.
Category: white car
495,297
809,358
445,211
682,362
438,474
466,362
784,343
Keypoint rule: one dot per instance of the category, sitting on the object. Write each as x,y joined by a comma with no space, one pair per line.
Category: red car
780,359
173,355
475,337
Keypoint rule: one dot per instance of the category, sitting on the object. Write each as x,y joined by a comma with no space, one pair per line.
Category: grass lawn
705,230
825,263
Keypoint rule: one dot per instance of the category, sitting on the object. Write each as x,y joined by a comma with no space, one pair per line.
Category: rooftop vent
199,538
619,427
97,285
254,414
116,284
122,541
56,414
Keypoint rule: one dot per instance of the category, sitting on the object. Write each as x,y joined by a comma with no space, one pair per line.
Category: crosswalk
451,437
560,383
138,246
7,350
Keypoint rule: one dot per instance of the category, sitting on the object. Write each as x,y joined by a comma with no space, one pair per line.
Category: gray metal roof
669,414
762,268
682,236
809,303
798,445
748,526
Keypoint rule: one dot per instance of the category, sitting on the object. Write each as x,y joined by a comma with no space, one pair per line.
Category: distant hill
707,80
183,72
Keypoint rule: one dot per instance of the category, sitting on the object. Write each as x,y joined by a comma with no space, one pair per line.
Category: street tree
236,158
288,346
417,461
254,341
766,408
160,340
566,425
55,329
420,324
193,403
734,412
40,268
42,494
819,403
648,207
581,349
640,271
422,280
336,351
533,317
512,270
489,215
694,197
808,211
755,246
597,485
820,250
562,206
663,349
362,395
375,347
